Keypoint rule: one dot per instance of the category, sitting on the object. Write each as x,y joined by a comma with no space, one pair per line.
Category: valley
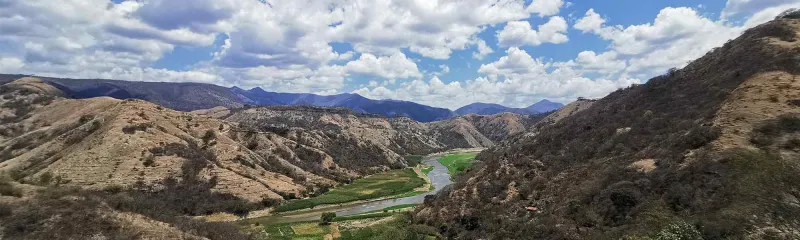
710,150
345,202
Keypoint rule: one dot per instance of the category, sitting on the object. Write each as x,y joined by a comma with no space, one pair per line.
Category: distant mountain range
357,103
196,96
491,108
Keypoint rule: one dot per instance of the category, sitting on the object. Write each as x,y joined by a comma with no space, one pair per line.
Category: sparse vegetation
131,129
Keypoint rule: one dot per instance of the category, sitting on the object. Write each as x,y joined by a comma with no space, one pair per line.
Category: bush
765,134
8,189
327,217
679,231
131,129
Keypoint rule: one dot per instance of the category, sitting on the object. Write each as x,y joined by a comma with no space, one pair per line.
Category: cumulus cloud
482,50
590,22
520,33
394,66
517,79
673,39
545,7
591,62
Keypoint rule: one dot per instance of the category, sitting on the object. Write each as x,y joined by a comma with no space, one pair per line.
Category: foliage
131,129
413,160
679,231
72,213
327,217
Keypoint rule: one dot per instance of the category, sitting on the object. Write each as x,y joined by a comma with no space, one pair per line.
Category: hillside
102,142
709,150
395,136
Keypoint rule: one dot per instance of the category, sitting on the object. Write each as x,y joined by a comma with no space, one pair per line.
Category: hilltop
708,151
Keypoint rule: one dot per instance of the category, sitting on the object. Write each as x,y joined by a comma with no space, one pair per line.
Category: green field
457,163
392,183
426,169
297,231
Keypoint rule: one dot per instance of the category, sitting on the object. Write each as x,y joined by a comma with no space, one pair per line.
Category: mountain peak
545,106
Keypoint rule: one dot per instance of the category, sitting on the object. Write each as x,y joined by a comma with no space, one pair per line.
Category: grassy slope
376,186
456,163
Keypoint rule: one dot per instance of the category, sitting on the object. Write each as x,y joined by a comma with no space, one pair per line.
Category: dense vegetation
386,184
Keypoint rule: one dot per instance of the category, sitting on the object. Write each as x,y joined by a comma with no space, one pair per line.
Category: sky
444,53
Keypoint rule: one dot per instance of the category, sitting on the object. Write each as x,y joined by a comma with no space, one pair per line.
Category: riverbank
436,178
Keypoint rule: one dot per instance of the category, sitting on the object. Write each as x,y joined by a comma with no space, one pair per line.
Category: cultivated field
392,183
456,163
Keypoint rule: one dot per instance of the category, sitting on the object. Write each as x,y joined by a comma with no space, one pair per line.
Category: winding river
438,176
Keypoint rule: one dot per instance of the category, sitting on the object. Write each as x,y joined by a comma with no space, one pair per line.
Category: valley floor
392,219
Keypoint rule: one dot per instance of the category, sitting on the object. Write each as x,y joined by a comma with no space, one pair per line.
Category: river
438,176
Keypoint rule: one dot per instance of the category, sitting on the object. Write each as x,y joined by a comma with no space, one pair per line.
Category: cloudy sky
445,53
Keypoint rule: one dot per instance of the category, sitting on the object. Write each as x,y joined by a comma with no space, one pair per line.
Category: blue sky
442,53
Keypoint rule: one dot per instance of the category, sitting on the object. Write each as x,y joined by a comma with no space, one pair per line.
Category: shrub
327,217
46,178
679,231
131,129
8,189
792,144
765,134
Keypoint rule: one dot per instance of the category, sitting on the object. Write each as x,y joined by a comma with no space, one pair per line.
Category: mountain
709,151
544,106
198,96
388,108
133,168
491,108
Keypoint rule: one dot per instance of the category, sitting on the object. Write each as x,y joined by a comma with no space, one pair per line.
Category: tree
327,217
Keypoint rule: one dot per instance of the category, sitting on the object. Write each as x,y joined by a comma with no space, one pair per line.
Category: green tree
327,217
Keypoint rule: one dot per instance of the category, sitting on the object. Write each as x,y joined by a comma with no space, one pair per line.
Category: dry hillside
338,130
710,150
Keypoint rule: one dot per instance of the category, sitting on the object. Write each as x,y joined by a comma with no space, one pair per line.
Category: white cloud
445,70
676,36
734,7
590,22
482,50
591,62
394,66
10,65
520,33
545,7
516,79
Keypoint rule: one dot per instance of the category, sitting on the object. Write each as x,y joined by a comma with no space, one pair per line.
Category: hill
708,151
136,168
198,96
492,109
